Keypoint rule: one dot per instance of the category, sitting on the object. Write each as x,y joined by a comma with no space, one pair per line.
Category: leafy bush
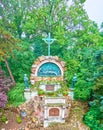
16,94
82,90
50,93
41,92
65,93
5,84
93,118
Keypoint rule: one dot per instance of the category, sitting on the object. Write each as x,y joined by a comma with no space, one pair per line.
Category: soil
11,123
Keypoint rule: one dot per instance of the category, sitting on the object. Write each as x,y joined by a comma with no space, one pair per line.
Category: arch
56,74
49,69
53,62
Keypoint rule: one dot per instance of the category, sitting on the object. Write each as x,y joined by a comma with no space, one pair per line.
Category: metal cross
49,41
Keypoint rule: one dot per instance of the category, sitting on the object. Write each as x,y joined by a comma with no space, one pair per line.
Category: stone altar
49,68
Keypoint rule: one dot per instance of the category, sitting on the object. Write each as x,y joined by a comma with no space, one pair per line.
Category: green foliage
92,118
41,92
16,94
50,93
21,61
38,47
65,93
82,90
4,118
7,43
18,119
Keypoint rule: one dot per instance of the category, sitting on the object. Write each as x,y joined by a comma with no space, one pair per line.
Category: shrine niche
54,112
49,68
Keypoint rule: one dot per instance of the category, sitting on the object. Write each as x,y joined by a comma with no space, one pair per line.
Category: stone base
29,95
72,89
71,94
48,122
27,90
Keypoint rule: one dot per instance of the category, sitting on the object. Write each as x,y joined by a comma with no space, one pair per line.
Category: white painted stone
55,100
32,75
32,82
43,87
47,122
33,94
63,112
27,95
71,94
34,66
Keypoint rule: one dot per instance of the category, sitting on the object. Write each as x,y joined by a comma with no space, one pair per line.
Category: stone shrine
48,71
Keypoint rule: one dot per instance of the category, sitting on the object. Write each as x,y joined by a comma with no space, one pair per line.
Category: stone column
45,112
63,112
45,117
27,94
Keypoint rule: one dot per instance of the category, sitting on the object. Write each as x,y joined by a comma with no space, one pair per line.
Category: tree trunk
11,76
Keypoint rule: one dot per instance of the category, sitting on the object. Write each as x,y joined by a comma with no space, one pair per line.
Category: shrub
65,93
5,84
41,92
3,99
82,90
92,118
50,93
16,94
4,118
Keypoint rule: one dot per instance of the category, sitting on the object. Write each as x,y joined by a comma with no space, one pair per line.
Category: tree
21,61
7,42
13,14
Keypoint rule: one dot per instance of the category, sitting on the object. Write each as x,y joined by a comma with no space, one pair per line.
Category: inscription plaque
49,87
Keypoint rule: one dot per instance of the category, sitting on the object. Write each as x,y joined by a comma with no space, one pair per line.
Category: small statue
74,80
26,81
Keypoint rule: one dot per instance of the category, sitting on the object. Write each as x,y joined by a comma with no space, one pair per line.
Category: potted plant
41,92
50,93
65,93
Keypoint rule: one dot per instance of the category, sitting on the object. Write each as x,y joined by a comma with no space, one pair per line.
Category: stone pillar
63,112
45,117
45,112
71,93
27,94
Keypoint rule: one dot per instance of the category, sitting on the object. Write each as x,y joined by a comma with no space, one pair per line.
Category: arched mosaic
49,69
